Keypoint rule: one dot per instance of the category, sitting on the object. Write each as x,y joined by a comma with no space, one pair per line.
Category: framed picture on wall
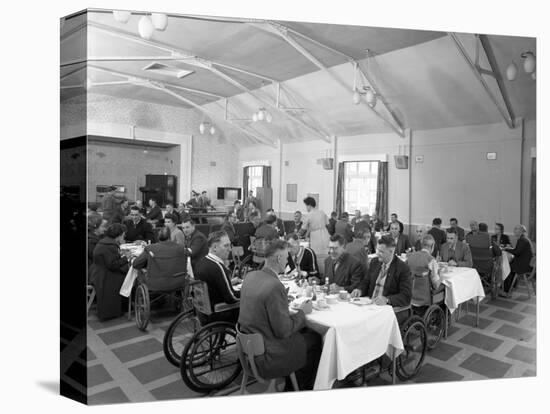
292,193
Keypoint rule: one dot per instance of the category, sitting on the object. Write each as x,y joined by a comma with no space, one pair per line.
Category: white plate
361,301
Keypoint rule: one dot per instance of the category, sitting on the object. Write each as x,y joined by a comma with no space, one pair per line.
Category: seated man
422,264
301,258
356,218
229,227
459,230
289,345
154,216
212,270
166,263
331,226
420,233
342,269
360,247
455,252
298,224
142,209
376,225
279,226
474,229
393,219
195,241
388,281
238,210
171,210
362,224
267,230
439,235
343,228
176,235
402,243
137,228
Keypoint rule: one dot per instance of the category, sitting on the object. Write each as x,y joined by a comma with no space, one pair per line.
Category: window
255,177
360,182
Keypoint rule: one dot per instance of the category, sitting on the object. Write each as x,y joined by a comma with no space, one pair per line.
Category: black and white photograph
280,206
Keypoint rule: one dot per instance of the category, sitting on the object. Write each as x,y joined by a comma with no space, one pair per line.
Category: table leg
477,312
393,366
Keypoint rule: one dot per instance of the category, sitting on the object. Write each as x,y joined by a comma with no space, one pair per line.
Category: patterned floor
125,364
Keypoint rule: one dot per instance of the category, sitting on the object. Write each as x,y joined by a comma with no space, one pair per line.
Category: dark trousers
508,282
305,376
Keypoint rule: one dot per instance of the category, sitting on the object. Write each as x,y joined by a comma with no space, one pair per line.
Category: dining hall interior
427,129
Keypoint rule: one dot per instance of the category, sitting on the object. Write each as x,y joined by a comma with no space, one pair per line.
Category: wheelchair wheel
142,306
410,360
434,320
210,361
179,333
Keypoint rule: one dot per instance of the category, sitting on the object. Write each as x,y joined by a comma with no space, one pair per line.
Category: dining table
354,334
461,285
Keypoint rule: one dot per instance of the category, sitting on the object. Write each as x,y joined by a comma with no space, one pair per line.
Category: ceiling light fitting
204,126
369,94
262,115
529,66
147,24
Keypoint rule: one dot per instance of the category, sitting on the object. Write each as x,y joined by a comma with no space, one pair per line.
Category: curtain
339,208
245,184
266,177
533,202
382,192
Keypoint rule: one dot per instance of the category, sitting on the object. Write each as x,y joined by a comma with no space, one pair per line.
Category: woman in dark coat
499,237
108,271
96,228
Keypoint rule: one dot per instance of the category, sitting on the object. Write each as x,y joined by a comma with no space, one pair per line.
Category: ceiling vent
167,70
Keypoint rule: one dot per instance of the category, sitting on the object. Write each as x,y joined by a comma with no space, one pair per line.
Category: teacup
322,303
343,294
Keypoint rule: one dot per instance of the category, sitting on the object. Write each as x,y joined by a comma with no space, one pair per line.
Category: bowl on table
331,299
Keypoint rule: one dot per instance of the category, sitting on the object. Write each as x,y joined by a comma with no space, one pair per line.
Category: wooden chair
248,347
528,279
90,293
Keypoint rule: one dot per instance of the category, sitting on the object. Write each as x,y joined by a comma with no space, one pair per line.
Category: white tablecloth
506,258
461,285
353,336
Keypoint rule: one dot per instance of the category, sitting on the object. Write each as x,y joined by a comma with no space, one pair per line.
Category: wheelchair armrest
180,274
399,309
220,307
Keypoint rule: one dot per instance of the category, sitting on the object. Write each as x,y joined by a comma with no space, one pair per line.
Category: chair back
482,258
203,228
421,288
200,297
289,226
248,347
215,227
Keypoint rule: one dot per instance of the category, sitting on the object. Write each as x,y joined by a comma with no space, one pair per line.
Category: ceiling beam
283,31
129,75
72,72
211,66
161,87
505,112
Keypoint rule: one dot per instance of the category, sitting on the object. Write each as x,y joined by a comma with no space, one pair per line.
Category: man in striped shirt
213,270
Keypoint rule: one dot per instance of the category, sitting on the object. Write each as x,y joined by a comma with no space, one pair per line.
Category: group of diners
344,244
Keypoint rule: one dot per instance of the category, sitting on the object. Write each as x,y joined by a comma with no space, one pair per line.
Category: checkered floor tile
125,364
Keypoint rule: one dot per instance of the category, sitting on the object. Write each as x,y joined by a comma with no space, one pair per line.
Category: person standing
110,204
439,235
315,224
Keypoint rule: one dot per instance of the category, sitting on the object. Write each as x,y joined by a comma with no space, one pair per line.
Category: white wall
454,180
109,116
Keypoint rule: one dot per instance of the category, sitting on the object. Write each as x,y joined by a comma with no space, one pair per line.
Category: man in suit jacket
439,235
402,243
137,228
331,226
166,263
155,213
279,225
523,253
343,228
459,230
267,229
360,247
393,219
388,281
195,242
289,345
212,270
229,227
355,219
238,210
171,210
455,252
376,225
301,257
342,269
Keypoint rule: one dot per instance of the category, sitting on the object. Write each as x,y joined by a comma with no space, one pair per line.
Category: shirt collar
215,258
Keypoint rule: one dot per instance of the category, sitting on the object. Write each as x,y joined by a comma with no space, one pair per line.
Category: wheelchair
414,336
432,310
206,354
146,295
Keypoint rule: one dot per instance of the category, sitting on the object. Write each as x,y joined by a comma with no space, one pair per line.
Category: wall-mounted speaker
401,162
328,163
